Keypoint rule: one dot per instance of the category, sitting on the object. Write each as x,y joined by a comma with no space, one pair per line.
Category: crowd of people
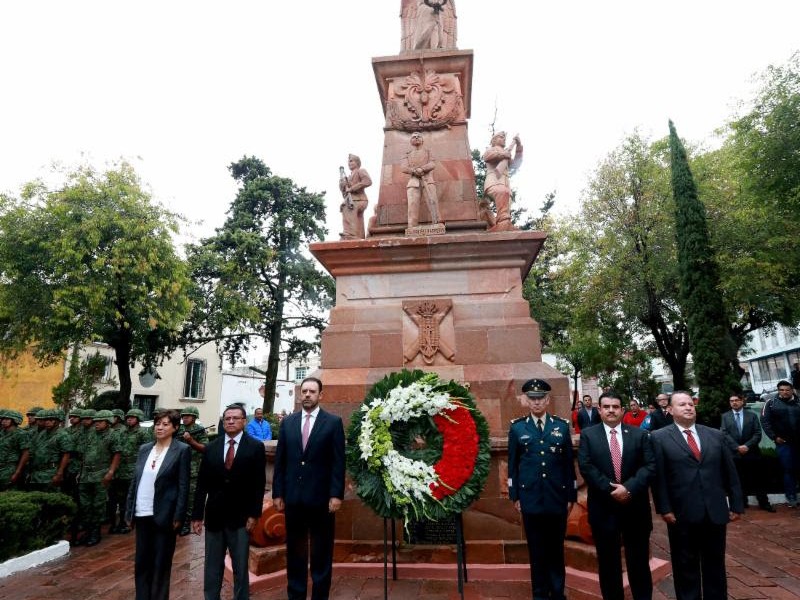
700,478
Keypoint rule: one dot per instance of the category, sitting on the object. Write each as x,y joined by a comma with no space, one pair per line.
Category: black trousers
155,547
636,540
698,560
750,471
545,535
309,528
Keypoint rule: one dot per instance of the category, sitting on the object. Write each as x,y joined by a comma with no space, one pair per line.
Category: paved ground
763,562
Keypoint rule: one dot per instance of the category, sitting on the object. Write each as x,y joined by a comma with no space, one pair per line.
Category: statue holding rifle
354,199
501,163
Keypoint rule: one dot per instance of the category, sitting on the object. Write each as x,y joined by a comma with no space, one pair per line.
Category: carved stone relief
429,340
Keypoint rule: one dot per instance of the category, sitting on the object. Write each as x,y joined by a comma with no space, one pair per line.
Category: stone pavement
763,562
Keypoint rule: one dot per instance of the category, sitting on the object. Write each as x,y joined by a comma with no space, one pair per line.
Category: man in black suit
230,495
743,430
697,493
588,415
661,416
308,485
617,464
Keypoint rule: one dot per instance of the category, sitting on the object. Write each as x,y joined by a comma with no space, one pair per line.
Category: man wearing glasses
542,486
229,498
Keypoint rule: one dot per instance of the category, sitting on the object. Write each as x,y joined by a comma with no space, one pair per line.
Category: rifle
348,198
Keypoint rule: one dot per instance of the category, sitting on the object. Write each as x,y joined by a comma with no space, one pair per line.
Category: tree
712,348
253,275
79,387
93,261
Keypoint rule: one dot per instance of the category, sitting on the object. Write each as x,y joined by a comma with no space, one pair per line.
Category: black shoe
123,529
767,507
94,538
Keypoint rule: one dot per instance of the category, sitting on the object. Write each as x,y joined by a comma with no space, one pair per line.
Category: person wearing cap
618,464
542,486
132,437
50,453
14,453
194,434
101,458
780,419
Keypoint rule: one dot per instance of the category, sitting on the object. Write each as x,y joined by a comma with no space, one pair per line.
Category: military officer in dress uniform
542,486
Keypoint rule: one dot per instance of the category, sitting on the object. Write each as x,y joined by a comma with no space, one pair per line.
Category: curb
35,558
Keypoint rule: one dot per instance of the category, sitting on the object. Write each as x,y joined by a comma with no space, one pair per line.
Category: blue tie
739,421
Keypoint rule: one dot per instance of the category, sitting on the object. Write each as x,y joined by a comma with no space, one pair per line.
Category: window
300,373
147,404
194,386
772,368
108,372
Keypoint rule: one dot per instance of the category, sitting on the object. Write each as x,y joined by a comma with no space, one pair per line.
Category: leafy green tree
92,261
253,277
713,349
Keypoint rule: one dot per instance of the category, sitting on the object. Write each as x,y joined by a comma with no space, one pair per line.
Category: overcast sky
182,89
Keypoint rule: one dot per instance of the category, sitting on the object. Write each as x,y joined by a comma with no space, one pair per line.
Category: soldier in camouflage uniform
14,452
119,419
101,456
194,434
117,426
133,436
77,432
50,453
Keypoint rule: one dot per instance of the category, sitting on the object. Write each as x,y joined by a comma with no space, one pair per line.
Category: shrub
32,520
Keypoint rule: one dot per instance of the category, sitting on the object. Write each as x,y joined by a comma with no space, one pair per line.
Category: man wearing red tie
229,499
308,485
697,493
617,464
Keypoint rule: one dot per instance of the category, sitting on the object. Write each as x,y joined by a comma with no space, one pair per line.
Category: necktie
306,430
230,454
692,443
540,425
616,455
739,421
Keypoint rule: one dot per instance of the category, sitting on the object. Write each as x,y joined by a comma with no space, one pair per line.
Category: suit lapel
318,424
679,438
628,451
169,458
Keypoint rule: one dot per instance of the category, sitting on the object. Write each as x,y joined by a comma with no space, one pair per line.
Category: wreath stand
461,555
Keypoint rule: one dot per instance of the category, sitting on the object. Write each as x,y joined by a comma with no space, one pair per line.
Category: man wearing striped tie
697,493
617,464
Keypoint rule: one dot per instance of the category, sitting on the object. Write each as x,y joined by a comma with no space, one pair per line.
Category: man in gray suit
743,431
697,493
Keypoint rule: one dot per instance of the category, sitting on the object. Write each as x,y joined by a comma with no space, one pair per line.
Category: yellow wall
23,383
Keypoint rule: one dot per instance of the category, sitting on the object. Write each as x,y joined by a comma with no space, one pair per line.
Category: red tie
616,456
692,443
306,430
230,454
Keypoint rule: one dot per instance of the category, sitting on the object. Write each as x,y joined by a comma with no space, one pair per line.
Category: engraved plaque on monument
434,533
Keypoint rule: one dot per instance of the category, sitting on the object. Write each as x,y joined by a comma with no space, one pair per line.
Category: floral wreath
418,448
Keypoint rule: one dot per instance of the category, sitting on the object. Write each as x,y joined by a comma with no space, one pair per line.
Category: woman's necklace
158,454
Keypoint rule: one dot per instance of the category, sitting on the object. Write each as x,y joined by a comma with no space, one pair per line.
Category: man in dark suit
308,485
588,415
697,493
617,464
661,416
743,430
230,496
541,484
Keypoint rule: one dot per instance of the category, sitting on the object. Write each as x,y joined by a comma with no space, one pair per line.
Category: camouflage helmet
33,410
190,410
104,415
88,413
135,412
4,413
75,412
56,414
15,416
43,413
118,412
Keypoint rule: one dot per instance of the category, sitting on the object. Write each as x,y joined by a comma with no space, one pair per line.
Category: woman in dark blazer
156,506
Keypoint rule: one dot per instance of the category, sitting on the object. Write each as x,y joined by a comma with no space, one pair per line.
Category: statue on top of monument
501,163
354,198
428,25
419,164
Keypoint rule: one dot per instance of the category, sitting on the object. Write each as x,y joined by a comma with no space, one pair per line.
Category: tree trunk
123,359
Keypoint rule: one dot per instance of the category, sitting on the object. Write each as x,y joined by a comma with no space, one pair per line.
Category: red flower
459,451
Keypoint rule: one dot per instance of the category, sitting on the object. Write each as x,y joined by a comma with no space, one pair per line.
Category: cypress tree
713,350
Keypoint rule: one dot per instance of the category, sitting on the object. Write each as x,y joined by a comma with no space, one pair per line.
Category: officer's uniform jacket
541,471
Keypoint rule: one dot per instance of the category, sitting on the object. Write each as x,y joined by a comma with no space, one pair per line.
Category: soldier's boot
186,529
94,537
